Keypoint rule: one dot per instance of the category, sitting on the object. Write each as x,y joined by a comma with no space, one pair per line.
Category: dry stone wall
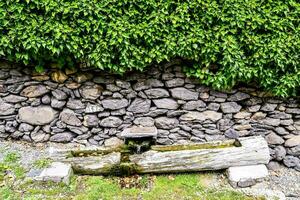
93,107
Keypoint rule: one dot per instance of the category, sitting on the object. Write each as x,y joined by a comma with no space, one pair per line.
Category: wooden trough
168,159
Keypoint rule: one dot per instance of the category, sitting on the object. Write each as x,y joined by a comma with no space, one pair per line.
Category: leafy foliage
228,41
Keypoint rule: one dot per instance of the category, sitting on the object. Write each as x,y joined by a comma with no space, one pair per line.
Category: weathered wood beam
252,151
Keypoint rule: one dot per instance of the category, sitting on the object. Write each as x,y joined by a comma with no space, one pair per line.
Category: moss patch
212,145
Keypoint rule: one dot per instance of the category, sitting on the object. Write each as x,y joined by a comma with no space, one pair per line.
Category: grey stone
293,141
57,172
111,122
34,91
62,137
91,92
118,112
280,115
268,107
272,138
141,85
291,161
218,94
122,84
93,108
286,122
166,103
231,133
184,94
57,104
59,95
175,113
271,121
25,127
14,98
114,104
230,107
239,96
281,131
157,93
69,117
46,99
139,106
103,80
139,132
273,166
201,116
39,136
244,176
254,108
293,111
75,104
41,115
166,123
156,112
213,106
175,82
144,121
6,108
224,124
78,130
154,83
193,105
16,134
295,151
279,153
242,115
113,142
103,114
113,88
90,120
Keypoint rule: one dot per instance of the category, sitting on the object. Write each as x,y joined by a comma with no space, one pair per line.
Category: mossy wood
252,151
170,158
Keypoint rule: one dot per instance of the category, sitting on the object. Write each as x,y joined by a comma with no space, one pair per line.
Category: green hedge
228,41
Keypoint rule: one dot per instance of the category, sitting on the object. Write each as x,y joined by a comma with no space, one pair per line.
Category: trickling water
138,149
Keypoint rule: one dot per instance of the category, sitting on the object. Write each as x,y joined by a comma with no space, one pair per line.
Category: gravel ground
286,181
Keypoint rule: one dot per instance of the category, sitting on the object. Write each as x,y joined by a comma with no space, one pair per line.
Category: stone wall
93,107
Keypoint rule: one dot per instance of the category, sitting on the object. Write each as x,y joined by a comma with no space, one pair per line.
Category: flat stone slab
57,172
139,132
246,176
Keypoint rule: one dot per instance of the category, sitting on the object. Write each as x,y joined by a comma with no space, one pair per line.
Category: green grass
13,186
42,163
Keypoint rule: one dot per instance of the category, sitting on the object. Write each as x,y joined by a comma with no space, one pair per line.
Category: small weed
12,157
42,163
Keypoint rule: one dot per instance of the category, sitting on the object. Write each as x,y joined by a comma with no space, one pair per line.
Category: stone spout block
139,132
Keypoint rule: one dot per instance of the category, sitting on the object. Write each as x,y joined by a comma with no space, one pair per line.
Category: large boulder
40,115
